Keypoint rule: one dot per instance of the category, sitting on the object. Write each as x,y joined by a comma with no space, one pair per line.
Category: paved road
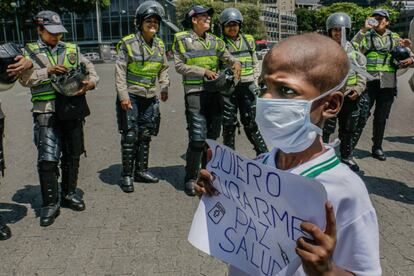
144,233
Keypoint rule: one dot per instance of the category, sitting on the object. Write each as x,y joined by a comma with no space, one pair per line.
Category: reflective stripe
242,53
146,62
43,87
352,78
44,91
200,53
141,80
205,58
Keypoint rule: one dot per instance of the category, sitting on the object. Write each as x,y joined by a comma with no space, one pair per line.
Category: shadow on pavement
111,175
391,189
174,175
12,213
30,194
404,155
401,139
361,154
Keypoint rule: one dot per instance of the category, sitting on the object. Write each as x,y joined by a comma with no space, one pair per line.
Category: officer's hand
164,96
353,95
87,85
237,70
406,62
21,65
211,75
316,253
126,104
57,69
366,26
405,42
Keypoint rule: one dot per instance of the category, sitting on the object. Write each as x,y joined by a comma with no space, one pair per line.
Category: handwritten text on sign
254,222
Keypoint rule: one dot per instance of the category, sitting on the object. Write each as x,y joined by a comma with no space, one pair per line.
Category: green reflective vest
352,76
206,58
44,91
144,63
244,53
378,55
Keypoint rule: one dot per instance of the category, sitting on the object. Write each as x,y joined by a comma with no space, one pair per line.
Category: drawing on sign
285,257
217,213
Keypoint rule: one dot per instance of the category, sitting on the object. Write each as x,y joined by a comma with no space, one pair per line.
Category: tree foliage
28,8
357,13
306,20
250,11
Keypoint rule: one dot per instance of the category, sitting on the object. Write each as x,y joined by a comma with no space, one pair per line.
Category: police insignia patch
72,58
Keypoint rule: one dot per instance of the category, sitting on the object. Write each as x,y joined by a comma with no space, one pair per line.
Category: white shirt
357,247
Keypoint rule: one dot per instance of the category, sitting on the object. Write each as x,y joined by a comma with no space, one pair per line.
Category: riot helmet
230,15
224,81
400,53
70,83
8,53
339,20
148,9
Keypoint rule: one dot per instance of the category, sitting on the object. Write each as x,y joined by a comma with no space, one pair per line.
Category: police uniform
193,55
350,112
55,138
138,69
243,96
381,91
357,246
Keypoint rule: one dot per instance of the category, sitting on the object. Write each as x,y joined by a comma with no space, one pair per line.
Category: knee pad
129,138
197,127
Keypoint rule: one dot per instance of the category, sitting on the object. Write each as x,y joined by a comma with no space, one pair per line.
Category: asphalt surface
145,233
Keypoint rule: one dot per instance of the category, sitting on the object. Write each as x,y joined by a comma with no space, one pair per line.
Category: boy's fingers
305,256
330,220
209,154
314,230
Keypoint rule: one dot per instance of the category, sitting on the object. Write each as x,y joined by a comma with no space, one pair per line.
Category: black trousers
203,112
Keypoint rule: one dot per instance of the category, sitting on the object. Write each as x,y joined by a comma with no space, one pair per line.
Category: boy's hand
237,70
317,254
204,185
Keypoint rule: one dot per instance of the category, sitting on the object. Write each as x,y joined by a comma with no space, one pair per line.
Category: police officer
56,134
338,26
377,42
12,63
196,55
243,96
141,63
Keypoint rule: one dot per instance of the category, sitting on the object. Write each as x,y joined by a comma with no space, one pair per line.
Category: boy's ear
333,105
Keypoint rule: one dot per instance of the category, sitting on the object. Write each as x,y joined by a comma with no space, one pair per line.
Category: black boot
48,177
229,133
141,173
256,139
5,232
377,137
346,148
193,161
127,184
70,169
128,153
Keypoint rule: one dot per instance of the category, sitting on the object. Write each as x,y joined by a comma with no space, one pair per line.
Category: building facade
279,19
117,21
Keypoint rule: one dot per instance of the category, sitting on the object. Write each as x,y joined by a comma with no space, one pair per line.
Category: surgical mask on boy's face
285,123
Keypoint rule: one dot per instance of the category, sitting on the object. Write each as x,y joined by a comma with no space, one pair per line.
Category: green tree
358,14
29,8
251,14
306,20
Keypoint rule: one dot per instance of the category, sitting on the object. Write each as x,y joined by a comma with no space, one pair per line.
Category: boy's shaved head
321,61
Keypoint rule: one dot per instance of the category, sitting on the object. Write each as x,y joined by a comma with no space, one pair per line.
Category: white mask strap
336,88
